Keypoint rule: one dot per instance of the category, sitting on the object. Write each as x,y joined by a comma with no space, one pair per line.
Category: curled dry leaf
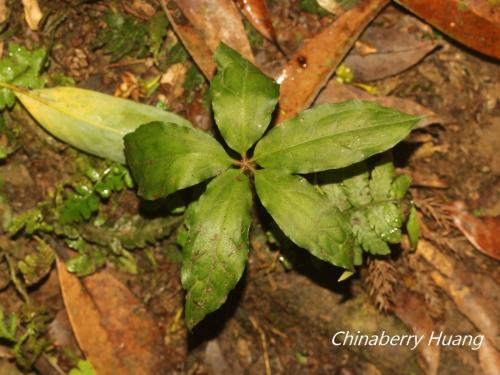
111,326
336,92
382,52
412,310
482,232
257,13
32,13
475,23
309,69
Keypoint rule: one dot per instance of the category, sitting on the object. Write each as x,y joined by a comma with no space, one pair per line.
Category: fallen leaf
336,92
474,294
32,13
61,334
311,66
116,333
211,22
257,14
475,23
412,310
489,359
393,51
4,11
192,41
140,9
333,6
482,232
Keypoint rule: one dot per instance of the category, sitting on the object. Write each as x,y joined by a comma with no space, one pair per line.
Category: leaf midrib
266,155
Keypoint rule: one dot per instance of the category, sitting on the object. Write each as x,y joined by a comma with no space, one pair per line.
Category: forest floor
282,315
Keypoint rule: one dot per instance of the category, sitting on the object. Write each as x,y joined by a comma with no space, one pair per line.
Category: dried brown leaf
482,232
193,42
111,326
32,13
257,14
210,23
412,310
4,11
309,69
489,359
393,51
475,23
473,294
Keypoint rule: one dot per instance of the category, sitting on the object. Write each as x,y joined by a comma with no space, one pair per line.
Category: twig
263,341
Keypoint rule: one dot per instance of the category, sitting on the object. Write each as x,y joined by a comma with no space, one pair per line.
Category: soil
280,320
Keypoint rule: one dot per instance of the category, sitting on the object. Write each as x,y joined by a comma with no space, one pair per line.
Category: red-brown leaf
475,23
257,13
217,21
482,232
311,67
116,333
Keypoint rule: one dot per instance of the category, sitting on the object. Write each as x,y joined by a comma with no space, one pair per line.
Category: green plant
343,214
22,68
307,172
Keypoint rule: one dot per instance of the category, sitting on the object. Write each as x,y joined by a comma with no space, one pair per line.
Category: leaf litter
467,189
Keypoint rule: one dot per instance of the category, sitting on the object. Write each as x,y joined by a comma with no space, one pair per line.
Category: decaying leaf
412,310
32,13
335,92
489,359
257,13
193,42
111,326
473,293
210,23
482,232
475,23
218,21
4,11
309,69
393,51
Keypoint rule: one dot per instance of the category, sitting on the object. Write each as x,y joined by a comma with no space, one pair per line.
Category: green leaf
157,31
366,236
217,245
86,264
21,67
370,201
243,99
91,121
386,219
413,227
8,327
78,207
36,266
165,157
306,216
124,35
381,179
332,136
400,186
84,368
356,184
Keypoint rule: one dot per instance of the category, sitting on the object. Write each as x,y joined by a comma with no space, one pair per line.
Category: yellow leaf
90,121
